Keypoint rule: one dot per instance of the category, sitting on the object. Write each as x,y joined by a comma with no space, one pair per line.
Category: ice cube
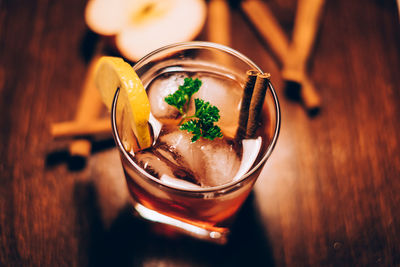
180,144
161,88
226,95
153,164
212,162
219,162
179,183
251,148
155,125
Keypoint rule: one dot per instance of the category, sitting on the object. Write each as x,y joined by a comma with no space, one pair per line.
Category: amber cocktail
196,187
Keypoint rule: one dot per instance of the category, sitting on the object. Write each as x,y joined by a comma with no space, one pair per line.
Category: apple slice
106,17
140,26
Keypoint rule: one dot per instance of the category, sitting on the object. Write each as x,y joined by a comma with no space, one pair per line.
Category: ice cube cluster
222,92
174,159
204,163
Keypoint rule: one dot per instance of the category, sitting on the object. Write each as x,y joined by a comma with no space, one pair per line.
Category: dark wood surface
328,196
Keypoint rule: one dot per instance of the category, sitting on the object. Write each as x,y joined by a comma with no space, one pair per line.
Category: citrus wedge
112,73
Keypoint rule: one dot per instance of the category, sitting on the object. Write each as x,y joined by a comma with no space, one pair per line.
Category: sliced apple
140,26
106,17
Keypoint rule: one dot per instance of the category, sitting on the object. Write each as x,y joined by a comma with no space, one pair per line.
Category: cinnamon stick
257,101
305,28
219,22
293,56
218,28
89,107
265,23
311,99
245,105
306,24
75,129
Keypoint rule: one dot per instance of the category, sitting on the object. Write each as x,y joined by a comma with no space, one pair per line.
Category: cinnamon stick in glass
256,104
245,105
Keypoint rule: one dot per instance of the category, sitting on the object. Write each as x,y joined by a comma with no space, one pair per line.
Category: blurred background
328,195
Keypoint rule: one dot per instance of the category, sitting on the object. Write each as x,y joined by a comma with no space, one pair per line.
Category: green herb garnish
181,98
201,124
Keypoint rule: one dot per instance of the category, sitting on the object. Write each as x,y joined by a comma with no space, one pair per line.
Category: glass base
218,235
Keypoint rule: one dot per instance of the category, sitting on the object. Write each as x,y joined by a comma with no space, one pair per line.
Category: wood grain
328,196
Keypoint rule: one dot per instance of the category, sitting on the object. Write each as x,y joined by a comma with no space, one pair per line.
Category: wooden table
329,195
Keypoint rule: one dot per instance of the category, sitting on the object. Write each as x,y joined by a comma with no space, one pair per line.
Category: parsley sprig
181,98
201,124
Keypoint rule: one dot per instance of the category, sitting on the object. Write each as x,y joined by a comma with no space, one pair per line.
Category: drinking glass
204,213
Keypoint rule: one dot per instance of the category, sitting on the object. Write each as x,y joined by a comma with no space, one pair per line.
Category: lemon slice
112,73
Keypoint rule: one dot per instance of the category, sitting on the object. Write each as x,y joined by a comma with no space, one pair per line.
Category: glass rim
197,45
